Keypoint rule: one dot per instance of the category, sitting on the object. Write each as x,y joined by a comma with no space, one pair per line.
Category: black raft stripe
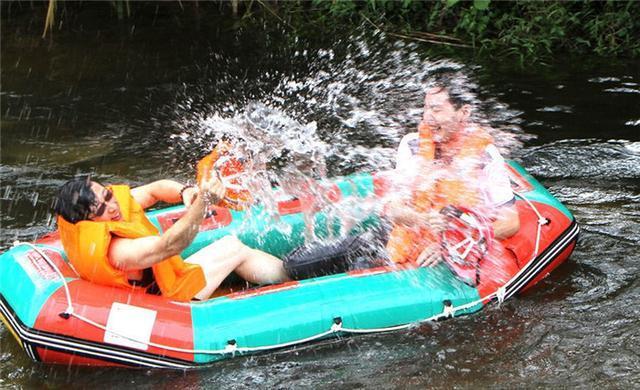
539,263
75,346
549,255
14,325
534,267
29,344
91,349
31,351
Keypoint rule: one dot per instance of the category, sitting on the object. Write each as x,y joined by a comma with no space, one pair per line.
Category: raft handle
337,324
447,310
231,347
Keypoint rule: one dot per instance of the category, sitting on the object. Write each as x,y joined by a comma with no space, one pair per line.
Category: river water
140,101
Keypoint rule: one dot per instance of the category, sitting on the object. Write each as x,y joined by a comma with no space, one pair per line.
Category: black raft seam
21,330
542,258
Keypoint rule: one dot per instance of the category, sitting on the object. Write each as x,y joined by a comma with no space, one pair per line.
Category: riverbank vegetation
531,31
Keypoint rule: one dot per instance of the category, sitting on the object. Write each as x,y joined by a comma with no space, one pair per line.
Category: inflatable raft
58,318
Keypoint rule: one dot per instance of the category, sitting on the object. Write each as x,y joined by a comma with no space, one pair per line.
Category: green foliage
528,30
481,5
339,8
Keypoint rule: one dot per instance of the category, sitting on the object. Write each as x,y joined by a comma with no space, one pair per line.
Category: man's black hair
75,199
457,86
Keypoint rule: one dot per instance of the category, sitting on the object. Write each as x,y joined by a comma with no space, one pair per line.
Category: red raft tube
59,318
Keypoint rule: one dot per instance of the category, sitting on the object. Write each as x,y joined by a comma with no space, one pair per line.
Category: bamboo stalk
436,36
50,19
234,7
430,38
247,11
263,4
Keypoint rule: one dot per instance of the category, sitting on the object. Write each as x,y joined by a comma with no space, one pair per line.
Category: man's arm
400,213
139,253
162,190
506,222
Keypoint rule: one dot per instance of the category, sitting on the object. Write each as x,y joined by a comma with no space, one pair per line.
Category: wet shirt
493,180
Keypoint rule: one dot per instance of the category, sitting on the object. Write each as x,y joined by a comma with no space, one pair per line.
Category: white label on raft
129,326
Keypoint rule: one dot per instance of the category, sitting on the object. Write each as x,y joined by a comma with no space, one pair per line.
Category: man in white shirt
448,119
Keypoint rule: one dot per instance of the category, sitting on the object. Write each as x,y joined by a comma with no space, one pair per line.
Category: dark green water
134,102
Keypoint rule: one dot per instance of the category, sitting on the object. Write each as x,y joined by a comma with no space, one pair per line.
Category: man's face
441,115
106,207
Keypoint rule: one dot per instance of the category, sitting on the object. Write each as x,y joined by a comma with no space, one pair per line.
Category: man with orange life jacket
109,240
453,162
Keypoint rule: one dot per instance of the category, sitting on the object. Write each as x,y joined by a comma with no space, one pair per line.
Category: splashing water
283,160
346,114
282,152
362,100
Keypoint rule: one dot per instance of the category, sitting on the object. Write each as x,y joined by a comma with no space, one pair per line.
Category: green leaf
481,5
451,3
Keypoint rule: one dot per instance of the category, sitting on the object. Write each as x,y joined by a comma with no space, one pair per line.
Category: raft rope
336,328
541,221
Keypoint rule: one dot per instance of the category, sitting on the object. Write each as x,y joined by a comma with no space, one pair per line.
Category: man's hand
213,189
433,220
430,256
189,195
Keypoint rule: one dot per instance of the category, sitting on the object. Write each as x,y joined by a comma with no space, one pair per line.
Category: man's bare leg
229,254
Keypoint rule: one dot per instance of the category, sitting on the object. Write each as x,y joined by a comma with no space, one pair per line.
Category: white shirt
493,180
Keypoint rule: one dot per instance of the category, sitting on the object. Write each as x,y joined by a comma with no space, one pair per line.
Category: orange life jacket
235,198
406,243
87,246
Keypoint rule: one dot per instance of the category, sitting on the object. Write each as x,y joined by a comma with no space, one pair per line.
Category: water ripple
622,90
607,160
